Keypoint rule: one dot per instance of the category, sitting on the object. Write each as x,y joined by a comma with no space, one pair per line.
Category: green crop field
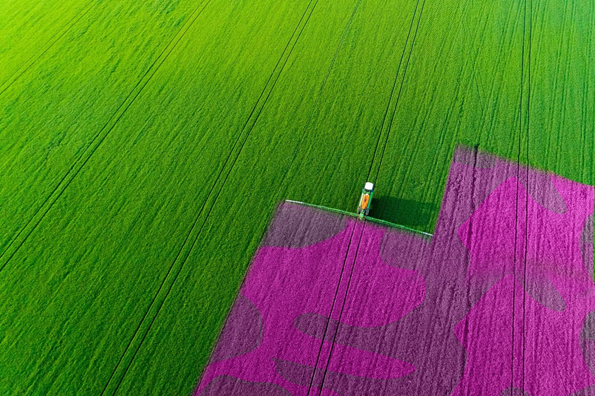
145,145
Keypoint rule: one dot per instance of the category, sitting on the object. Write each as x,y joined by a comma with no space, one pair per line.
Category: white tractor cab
363,209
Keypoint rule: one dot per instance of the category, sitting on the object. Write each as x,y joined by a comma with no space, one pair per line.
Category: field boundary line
23,234
391,107
48,45
168,282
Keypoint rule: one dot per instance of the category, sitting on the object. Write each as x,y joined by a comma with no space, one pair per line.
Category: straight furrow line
274,77
528,17
523,109
516,208
20,238
391,107
332,308
31,61
330,355
192,237
319,94
314,107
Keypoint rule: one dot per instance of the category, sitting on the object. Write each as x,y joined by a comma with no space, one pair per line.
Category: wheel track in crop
391,108
333,304
413,139
35,57
324,371
524,108
328,361
319,94
79,163
150,315
303,134
524,104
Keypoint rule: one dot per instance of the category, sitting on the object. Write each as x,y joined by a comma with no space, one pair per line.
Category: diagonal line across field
391,107
316,371
174,270
304,132
22,235
525,110
521,206
342,306
321,89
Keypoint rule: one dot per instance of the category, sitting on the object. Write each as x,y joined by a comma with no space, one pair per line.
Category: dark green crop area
145,145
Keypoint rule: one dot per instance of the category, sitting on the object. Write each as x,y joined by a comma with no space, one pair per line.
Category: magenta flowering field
500,301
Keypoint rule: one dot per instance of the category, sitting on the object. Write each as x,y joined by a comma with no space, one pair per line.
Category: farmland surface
145,145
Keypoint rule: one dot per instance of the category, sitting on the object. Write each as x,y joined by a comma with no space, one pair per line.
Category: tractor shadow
403,211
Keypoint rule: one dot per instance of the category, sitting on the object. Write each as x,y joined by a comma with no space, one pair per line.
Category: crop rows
208,114
50,115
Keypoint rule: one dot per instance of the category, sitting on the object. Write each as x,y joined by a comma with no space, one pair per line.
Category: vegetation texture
145,145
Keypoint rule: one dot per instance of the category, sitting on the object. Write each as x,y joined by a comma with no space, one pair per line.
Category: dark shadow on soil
403,211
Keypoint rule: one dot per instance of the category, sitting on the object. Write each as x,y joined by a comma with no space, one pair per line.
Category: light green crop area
561,125
463,85
51,117
145,149
30,27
